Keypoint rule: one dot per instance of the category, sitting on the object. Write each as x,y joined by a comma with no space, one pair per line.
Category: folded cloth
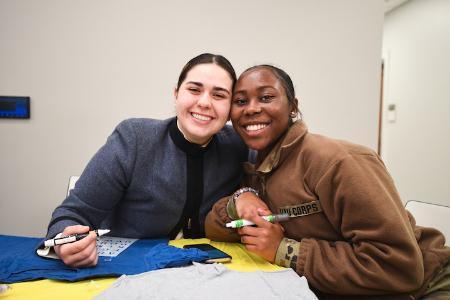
209,282
19,261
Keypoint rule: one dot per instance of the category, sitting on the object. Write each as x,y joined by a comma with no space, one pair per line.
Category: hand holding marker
271,218
72,238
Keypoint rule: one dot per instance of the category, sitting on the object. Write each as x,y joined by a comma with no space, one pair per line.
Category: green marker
270,218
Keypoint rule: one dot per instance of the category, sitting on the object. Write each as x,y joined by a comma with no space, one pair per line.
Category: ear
175,94
294,108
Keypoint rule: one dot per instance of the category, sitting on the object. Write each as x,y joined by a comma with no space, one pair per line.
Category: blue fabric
19,262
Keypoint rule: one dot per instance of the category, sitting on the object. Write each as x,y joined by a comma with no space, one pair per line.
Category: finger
75,229
262,233
264,211
249,230
249,213
260,222
249,240
79,246
89,261
81,257
71,256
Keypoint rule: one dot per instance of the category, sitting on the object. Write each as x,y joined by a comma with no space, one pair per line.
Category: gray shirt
210,282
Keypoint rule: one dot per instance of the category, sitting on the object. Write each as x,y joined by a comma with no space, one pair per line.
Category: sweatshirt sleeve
215,223
102,183
378,253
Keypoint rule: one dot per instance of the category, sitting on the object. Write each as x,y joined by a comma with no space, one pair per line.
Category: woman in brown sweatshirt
348,232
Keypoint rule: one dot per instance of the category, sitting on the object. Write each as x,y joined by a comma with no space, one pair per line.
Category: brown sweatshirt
359,240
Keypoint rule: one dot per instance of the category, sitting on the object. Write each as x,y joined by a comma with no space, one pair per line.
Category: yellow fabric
53,289
242,260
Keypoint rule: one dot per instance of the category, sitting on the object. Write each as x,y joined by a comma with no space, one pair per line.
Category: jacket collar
182,143
285,145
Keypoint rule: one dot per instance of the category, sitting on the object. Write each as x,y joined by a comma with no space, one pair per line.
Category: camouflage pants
439,287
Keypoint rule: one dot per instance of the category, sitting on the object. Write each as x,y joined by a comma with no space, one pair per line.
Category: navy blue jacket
135,184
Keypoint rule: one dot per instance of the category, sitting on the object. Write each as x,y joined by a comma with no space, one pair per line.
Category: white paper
112,246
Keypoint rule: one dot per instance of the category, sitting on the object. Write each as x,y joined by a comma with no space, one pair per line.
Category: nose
253,108
204,100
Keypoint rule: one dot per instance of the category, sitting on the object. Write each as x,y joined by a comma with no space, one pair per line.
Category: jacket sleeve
378,253
102,183
215,223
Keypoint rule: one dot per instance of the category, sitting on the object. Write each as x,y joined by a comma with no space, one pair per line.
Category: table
86,289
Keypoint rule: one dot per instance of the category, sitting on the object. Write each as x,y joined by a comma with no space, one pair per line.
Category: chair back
72,181
431,215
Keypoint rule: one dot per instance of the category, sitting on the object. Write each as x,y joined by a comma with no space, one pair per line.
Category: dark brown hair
285,80
207,58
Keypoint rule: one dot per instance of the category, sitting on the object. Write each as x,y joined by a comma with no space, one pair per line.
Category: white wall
416,51
89,64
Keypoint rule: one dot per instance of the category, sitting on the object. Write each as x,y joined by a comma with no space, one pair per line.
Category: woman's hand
248,205
263,239
82,253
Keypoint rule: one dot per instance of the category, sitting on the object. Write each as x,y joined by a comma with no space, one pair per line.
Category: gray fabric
209,282
135,184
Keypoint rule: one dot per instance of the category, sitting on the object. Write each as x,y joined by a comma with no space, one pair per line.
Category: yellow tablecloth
86,289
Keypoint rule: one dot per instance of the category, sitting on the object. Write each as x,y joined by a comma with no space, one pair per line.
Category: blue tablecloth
19,261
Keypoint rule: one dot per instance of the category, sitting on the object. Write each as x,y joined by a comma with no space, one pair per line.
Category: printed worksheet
112,246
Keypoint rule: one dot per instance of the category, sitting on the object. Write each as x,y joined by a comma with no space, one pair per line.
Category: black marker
72,238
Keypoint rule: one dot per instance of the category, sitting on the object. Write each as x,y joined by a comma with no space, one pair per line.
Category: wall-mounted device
392,113
14,107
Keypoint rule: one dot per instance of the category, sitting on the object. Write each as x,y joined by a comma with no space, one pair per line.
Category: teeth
255,127
201,117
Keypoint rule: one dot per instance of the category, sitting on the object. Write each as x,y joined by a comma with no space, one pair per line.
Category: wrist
231,209
287,253
241,191
231,205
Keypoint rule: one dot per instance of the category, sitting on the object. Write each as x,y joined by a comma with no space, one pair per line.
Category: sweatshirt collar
291,138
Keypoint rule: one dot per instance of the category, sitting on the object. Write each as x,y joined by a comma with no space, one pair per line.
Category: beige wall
89,64
416,147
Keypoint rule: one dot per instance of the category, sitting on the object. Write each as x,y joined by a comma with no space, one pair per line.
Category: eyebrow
216,88
258,88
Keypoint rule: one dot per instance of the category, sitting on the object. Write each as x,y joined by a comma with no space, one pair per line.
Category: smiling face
260,109
203,102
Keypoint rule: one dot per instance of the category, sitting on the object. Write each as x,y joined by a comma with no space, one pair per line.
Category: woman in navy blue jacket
157,178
